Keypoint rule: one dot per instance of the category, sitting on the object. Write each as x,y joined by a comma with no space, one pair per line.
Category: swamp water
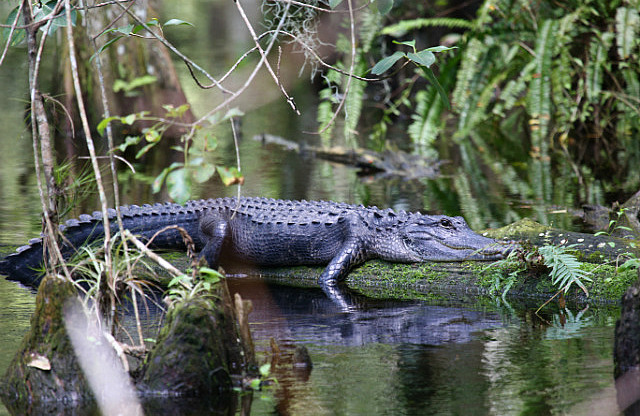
391,357
409,357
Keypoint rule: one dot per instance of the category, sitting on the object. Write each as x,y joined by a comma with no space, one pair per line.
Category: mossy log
458,281
202,351
199,351
45,369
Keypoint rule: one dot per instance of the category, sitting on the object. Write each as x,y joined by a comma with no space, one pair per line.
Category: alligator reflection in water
306,314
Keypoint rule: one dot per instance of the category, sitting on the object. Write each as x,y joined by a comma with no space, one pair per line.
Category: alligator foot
340,295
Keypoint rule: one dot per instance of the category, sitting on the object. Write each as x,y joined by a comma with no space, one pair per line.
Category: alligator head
443,238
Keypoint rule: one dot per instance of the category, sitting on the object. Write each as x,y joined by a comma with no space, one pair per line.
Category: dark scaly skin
268,232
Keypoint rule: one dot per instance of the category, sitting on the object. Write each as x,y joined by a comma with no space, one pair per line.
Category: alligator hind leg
215,230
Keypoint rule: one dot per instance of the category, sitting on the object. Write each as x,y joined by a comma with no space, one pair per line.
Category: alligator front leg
214,230
350,255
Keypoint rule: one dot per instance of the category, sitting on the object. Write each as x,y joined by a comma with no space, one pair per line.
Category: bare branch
351,66
10,37
262,53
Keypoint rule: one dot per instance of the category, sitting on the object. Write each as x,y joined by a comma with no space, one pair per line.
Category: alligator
270,232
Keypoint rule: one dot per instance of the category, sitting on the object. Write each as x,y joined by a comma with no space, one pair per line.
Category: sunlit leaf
265,369
176,22
384,64
175,112
129,120
234,112
230,176
152,135
103,124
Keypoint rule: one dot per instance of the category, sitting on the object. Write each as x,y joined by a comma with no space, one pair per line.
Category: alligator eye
446,223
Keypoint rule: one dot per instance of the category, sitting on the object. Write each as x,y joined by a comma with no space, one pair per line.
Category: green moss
523,227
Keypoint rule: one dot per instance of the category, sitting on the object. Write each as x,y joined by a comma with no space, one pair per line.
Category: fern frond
565,268
539,97
427,122
404,26
472,89
627,30
354,101
596,66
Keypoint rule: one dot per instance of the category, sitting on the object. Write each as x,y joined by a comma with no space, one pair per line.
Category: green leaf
255,384
145,150
440,48
105,46
233,112
204,172
334,3
443,94
212,276
129,141
176,280
103,124
152,135
424,58
627,23
384,64
175,112
129,120
384,6
265,369
157,182
126,86
411,43
179,185
45,12
176,22
404,26
18,34
230,176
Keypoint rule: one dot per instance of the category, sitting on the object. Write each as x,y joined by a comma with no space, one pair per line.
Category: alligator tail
25,264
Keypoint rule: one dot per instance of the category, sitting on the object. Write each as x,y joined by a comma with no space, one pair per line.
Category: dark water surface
409,357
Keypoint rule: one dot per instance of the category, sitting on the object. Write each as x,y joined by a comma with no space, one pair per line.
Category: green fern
565,268
627,30
427,118
401,28
353,103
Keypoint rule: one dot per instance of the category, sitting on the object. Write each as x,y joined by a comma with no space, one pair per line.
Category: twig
173,49
263,54
153,256
10,37
40,133
89,140
548,300
351,67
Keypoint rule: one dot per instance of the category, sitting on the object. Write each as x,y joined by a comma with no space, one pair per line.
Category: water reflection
406,357
307,314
